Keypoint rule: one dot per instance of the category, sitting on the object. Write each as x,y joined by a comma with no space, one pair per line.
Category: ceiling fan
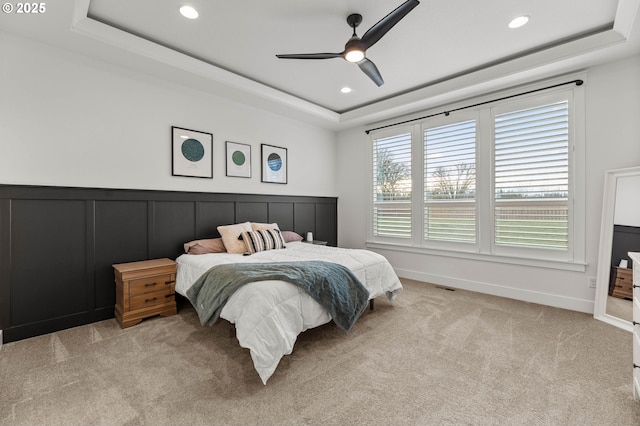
354,50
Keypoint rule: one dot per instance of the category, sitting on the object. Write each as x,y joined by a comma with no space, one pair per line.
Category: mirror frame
611,178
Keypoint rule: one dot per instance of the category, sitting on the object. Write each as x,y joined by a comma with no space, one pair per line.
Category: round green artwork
238,158
192,150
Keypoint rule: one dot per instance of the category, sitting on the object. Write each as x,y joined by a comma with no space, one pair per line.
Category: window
392,186
531,178
499,179
450,182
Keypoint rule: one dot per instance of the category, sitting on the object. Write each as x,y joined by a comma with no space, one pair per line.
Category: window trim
484,249
549,263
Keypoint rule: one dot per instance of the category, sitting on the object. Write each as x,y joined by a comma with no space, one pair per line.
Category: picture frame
238,159
191,153
274,164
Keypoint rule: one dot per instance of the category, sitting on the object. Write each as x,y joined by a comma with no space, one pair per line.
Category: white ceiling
440,47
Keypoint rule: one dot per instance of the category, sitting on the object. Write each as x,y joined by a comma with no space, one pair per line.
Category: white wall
627,208
67,120
612,141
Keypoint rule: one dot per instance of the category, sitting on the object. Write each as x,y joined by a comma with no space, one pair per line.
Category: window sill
483,257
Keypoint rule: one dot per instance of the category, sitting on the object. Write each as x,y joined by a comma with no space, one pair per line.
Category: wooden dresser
635,258
144,289
622,284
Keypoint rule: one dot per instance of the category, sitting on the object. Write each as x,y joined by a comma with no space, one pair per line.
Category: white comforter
269,315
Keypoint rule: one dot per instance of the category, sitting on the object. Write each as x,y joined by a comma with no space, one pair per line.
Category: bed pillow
290,236
214,245
265,239
230,237
260,226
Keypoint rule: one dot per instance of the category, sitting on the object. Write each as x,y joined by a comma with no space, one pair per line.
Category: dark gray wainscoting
57,244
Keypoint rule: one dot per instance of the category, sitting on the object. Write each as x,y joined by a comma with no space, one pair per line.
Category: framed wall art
238,159
274,164
192,153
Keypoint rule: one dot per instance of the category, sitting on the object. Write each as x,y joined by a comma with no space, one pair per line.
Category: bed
269,315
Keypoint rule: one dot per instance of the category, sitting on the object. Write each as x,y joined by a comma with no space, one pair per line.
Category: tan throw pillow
265,239
260,226
230,234
214,245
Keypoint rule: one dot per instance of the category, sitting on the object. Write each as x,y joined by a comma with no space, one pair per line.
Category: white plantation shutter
531,177
450,183
392,186
392,221
500,180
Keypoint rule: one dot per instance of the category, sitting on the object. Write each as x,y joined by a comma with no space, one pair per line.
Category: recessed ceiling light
346,89
189,12
519,21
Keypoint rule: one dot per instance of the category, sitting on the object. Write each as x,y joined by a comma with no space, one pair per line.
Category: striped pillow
264,239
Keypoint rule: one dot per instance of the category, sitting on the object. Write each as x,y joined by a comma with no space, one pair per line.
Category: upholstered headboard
57,244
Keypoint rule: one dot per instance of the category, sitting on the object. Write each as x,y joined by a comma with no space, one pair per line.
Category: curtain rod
447,112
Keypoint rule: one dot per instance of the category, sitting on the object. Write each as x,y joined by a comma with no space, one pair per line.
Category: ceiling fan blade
376,32
370,69
310,56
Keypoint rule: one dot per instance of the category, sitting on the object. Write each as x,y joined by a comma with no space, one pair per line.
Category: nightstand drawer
624,273
147,300
150,284
622,285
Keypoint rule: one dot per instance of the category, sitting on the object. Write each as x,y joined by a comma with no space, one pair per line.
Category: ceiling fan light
188,12
354,55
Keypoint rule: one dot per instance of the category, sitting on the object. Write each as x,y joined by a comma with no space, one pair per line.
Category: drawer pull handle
169,282
150,300
150,284
636,365
170,295
636,323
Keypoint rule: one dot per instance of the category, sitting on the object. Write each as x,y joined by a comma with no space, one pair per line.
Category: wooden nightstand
144,289
622,286
317,242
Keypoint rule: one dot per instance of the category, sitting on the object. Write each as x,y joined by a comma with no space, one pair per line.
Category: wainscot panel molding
58,244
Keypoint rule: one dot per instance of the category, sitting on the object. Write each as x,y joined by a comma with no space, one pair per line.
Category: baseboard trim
38,328
570,303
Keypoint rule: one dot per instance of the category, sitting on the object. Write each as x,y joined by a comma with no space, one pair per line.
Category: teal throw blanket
333,286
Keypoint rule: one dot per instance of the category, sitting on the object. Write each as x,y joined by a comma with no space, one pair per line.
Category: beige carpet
436,357
621,308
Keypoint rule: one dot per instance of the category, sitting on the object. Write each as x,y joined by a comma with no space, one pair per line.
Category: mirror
619,233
